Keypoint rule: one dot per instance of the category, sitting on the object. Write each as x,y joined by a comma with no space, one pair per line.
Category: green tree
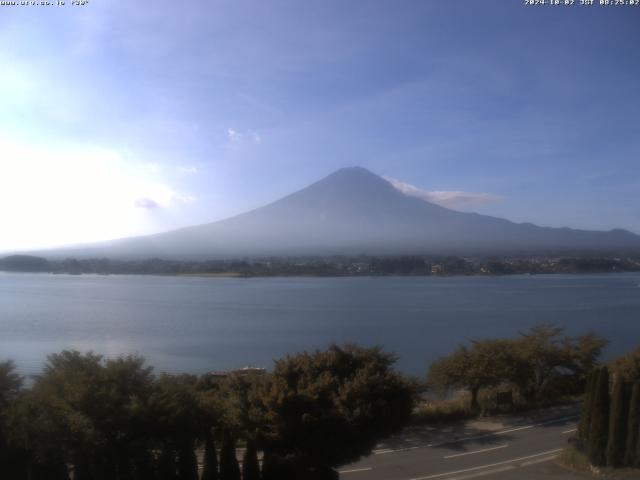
91,409
598,431
628,366
167,467
618,423
250,465
587,406
485,363
210,467
239,404
347,394
275,467
631,458
544,356
11,456
187,463
229,468
10,386
175,416
66,404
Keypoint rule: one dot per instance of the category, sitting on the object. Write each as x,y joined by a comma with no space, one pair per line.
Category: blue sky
122,118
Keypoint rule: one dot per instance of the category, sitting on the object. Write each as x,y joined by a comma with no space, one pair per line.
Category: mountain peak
356,174
355,211
354,170
354,178
346,186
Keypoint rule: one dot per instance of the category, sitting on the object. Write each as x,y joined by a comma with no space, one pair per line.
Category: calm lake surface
200,324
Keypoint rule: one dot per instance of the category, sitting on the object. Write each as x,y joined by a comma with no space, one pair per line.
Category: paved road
518,452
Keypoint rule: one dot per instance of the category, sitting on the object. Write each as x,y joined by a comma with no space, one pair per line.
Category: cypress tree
599,428
124,464
143,464
618,423
229,468
587,407
47,469
250,466
167,464
631,458
81,468
269,467
275,468
187,463
210,468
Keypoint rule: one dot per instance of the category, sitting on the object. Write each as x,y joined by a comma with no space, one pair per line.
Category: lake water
200,324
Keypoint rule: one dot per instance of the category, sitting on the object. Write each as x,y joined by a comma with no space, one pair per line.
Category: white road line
570,431
355,470
484,474
481,467
477,437
406,449
476,451
539,460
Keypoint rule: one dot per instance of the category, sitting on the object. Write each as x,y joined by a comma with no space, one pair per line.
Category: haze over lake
200,324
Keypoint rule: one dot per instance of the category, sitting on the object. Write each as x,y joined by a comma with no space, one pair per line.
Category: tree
598,431
10,385
543,356
90,410
210,467
64,408
275,467
250,465
618,423
229,468
239,404
628,366
175,417
167,464
587,406
486,363
631,458
187,463
347,394
541,364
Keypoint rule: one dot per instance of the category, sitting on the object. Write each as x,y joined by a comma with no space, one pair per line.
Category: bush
448,410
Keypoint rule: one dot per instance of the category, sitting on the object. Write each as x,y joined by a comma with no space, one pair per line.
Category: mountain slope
354,211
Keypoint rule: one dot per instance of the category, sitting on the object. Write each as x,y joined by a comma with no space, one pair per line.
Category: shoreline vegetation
91,418
338,266
607,443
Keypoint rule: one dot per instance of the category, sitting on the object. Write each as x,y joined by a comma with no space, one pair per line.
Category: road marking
405,449
481,467
484,474
477,437
570,431
476,451
539,460
355,470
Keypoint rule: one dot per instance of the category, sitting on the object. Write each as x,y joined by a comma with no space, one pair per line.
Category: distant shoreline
309,275
337,266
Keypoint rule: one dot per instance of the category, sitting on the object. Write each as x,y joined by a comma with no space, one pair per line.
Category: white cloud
248,136
233,135
446,198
